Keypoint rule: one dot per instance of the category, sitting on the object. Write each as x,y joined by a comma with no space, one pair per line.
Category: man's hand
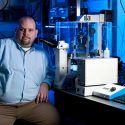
43,93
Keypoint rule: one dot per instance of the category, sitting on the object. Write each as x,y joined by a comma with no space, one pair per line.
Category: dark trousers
39,114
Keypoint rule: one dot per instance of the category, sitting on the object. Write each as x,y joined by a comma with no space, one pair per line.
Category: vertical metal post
78,4
115,22
99,36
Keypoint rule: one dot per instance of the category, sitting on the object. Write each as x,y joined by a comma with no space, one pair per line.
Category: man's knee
51,116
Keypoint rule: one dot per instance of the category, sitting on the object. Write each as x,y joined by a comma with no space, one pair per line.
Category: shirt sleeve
2,42
50,72
0,49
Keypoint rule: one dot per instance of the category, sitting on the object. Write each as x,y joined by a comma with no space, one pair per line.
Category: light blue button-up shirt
22,73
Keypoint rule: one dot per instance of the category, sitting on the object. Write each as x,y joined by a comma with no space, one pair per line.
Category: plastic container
106,53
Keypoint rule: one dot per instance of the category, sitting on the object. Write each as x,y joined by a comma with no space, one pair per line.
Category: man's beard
26,42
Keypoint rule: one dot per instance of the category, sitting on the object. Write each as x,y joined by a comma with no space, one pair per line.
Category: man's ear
36,32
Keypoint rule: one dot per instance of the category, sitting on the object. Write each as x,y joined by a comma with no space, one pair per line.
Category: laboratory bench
76,109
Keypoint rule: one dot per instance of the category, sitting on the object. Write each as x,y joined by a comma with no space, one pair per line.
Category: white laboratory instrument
94,73
61,63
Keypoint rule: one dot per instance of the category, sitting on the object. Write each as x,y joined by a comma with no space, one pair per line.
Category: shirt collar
21,48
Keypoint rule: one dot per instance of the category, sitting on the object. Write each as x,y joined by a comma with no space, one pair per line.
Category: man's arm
46,83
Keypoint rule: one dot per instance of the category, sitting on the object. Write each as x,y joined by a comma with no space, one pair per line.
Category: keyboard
120,99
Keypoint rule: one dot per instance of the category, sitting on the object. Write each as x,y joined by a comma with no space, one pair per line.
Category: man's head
26,32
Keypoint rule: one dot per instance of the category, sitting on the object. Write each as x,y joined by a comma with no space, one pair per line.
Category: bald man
25,78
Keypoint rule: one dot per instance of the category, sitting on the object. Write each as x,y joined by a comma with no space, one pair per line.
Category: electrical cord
3,4
5,36
122,6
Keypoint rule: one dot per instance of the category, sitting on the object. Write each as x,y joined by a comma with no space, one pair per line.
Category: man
25,77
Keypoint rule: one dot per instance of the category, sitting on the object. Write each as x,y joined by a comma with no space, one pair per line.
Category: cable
52,43
4,36
36,8
122,6
3,4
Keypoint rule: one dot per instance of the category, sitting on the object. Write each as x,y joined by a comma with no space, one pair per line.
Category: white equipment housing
97,71
94,73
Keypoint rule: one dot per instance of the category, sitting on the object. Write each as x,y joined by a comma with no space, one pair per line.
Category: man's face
26,33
